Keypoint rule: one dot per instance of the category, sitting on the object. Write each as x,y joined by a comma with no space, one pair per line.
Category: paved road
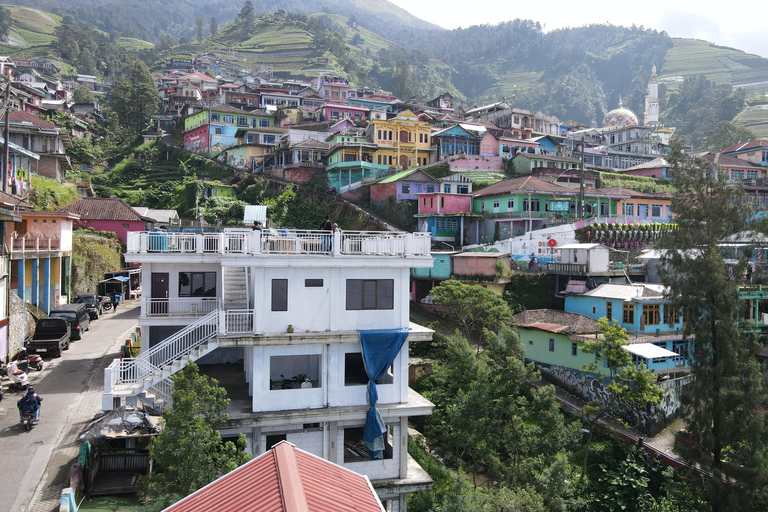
35,465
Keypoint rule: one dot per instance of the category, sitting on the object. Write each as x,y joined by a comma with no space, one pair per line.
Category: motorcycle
27,419
17,376
32,362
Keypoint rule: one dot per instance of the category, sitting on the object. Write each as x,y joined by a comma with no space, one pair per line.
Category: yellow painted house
403,141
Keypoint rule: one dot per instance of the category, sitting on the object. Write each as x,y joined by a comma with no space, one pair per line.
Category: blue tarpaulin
380,348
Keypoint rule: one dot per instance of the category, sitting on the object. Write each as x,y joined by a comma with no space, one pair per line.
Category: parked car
93,304
76,315
51,335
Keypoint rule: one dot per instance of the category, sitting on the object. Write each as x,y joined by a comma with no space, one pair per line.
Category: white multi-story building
282,320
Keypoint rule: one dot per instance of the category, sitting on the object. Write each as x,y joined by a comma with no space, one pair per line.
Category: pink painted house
335,112
108,214
443,216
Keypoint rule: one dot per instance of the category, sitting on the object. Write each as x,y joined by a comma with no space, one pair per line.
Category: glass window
495,203
279,295
551,345
462,189
264,123
510,204
268,139
535,205
197,284
254,122
242,121
629,209
370,294
430,188
406,188
609,310
657,210
215,116
229,119
651,314
671,315
628,313
447,188
574,349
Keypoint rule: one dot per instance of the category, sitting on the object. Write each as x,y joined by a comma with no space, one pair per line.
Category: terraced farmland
31,30
689,57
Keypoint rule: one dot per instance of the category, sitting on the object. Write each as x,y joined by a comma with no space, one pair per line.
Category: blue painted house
646,314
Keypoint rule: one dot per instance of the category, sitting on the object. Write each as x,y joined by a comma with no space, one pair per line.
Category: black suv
76,315
92,304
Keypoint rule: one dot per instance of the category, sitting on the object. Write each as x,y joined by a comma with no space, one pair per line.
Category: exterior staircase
235,291
148,376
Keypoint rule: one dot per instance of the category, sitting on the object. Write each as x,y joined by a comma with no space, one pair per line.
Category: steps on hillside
234,293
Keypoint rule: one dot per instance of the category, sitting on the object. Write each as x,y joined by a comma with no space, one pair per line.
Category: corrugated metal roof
253,213
97,208
649,351
524,184
285,479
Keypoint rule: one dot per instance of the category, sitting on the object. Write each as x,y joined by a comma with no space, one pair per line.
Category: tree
189,453
6,22
134,99
474,308
629,386
724,405
401,81
247,14
199,24
214,28
726,134
83,94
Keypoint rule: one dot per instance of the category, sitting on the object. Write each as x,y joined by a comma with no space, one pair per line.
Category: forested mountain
151,19
574,73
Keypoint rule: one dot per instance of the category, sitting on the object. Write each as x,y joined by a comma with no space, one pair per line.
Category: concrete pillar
46,285
21,279
35,298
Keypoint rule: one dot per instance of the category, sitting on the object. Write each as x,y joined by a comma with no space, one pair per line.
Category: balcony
269,242
32,245
184,307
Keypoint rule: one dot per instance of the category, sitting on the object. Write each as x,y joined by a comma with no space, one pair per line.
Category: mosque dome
619,117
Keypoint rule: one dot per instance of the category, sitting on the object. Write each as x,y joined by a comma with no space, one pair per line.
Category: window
447,188
594,310
609,310
242,121
217,131
370,294
354,371
628,313
629,209
671,315
442,202
751,175
215,117
295,372
254,122
574,349
273,439
268,139
525,205
737,175
651,314
495,203
197,284
510,205
530,342
355,449
535,205
229,119
462,189
551,345
264,123
406,188
313,283
279,295
657,210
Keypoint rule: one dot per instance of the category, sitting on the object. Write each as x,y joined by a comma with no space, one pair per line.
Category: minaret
652,100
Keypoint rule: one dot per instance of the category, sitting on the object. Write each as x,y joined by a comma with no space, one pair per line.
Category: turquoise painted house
424,279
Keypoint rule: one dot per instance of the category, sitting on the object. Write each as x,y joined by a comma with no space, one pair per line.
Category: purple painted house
404,186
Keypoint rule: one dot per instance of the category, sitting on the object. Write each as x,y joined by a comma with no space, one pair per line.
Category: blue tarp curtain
380,348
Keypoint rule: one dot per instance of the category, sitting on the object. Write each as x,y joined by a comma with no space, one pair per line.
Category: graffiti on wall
649,420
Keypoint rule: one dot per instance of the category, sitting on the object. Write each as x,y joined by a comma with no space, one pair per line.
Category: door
159,303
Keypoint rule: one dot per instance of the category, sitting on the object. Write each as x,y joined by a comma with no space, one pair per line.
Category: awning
19,149
253,213
576,287
649,351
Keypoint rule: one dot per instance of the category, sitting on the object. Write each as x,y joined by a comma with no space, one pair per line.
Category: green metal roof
399,175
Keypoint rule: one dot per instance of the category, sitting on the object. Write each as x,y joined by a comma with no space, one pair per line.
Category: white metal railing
193,306
377,243
127,372
163,390
239,321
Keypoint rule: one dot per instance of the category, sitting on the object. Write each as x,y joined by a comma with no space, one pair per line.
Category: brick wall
464,162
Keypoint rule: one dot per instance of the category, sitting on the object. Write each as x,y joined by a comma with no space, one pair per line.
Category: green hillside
32,32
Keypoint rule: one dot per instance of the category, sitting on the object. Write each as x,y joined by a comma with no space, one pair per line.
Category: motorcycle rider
29,402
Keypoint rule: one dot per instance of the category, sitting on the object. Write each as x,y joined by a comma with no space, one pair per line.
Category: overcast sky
739,24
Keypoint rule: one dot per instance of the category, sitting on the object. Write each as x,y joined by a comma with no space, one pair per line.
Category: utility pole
581,182
6,132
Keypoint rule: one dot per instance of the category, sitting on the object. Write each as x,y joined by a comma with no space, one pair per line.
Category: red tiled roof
523,184
745,146
198,76
26,117
284,479
96,208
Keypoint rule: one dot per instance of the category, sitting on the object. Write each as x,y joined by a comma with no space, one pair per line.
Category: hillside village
495,196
